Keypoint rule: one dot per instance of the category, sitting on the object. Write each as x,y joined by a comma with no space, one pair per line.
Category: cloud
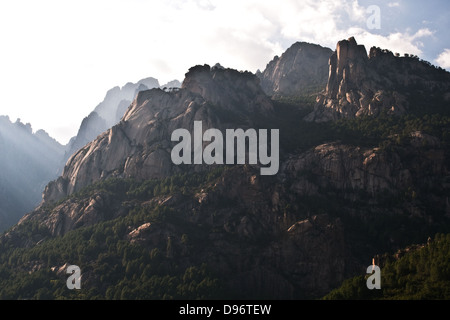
393,4
326,22
443,59
397,42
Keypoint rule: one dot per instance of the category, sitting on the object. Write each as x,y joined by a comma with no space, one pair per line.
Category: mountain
28,161
46,157
302,69
140,226
110,111
140,145
360,84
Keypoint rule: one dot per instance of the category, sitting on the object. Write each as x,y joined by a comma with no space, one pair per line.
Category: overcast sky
59,57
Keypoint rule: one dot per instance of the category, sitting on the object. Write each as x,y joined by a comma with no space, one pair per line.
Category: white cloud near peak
443,59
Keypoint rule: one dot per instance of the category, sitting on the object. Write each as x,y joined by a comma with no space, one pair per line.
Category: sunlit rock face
140,145
109,112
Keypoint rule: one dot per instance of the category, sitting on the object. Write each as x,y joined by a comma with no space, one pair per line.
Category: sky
58,58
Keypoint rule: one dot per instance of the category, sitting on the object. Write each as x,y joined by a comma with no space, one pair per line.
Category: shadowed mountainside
350,186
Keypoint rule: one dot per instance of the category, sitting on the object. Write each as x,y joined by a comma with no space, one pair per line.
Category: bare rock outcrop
297,234
368,84
108,112
301,69
354,169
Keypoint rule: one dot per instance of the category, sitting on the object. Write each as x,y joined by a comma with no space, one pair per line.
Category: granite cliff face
110,111
369,84
301,69
140,145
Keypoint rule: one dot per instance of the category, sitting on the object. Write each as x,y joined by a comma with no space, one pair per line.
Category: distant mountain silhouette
28,161
110,111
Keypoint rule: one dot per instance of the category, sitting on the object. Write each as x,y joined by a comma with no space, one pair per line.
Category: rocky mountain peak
346,66
302,68
140,145
361,84
227,88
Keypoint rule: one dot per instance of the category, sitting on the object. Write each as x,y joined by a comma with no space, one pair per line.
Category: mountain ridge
104,116
140,132
347,189
109,112
369,84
